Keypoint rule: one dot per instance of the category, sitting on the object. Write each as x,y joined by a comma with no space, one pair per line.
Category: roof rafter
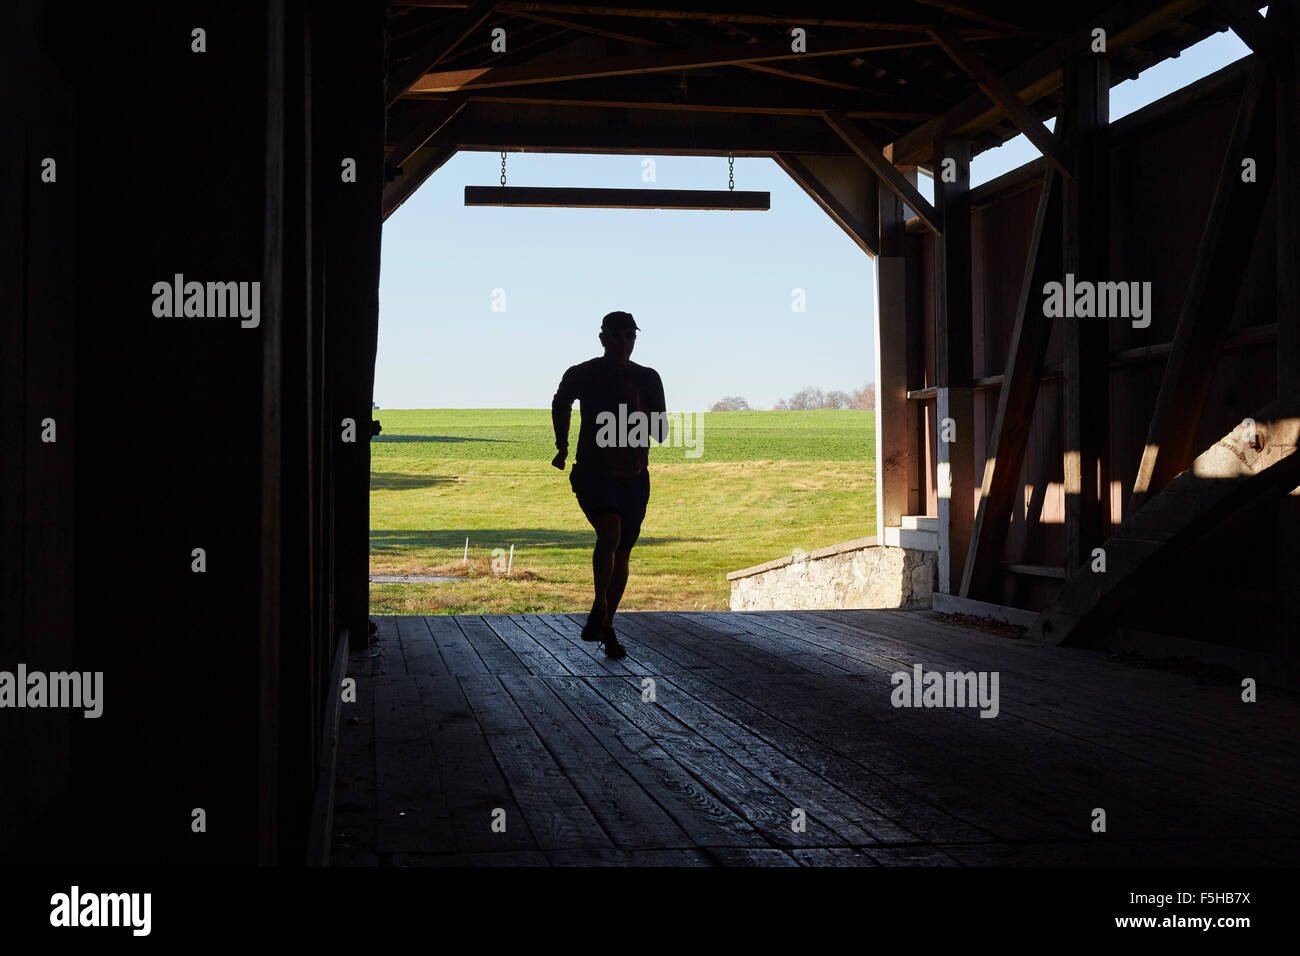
655,62
1126,24
883,168
1003,95
794,19
437,48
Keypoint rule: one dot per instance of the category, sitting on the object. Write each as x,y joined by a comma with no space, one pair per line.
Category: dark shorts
601,495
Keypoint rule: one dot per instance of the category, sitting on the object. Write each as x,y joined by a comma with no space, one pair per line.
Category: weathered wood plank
569,626
1159,702
577,659
760,712
355,791
764,808
461,658
850,819
388,656
419,649
832,856
1062,768
876,782
1178,735
707,820
531,653
745,653
556,814
497,656
475,786
411,810
737,856
630,816
689,857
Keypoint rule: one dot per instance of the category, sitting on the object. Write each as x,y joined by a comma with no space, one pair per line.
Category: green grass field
765,484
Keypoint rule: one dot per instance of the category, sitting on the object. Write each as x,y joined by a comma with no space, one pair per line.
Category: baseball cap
618,320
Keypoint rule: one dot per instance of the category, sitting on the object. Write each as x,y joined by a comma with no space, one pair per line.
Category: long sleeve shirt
609,439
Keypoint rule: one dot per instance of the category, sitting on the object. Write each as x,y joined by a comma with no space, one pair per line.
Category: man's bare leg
603,563
617,582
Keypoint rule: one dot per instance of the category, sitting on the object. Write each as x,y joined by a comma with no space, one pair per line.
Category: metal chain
731,170
503,167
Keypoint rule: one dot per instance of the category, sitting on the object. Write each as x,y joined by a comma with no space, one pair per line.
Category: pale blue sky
711,290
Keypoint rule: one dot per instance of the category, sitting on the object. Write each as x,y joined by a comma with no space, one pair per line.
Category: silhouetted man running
610,475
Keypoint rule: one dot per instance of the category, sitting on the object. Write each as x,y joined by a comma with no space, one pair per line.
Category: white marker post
466,561
511,564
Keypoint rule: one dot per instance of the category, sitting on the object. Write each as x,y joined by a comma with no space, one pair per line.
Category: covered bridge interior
194,523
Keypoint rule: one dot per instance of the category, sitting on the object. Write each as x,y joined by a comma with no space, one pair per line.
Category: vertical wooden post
273,310
896,461
40,230
1084,121
1286,15
954,366
1015,409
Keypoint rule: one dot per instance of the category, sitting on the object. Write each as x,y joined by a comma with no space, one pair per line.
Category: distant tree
731,403
810,398
807,399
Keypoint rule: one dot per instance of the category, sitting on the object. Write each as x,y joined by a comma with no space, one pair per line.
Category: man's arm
659,424
561,412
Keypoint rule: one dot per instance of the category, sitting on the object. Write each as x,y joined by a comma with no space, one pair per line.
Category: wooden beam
1211,294
594,29
765,95
1284,16
591,197
1233,472
954,363
1085,352
713,105
801,76
436,49
971,13
426,161
439,116
795,19
1017,397
821,194
966,57
1127,23
638,63
1249,26
952,268
897,469
725,135
888,173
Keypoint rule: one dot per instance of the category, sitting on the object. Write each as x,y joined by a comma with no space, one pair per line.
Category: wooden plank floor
508,741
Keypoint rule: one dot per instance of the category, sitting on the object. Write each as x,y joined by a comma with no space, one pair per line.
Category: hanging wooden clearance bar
599,198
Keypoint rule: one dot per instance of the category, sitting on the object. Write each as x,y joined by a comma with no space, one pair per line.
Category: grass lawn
765,484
